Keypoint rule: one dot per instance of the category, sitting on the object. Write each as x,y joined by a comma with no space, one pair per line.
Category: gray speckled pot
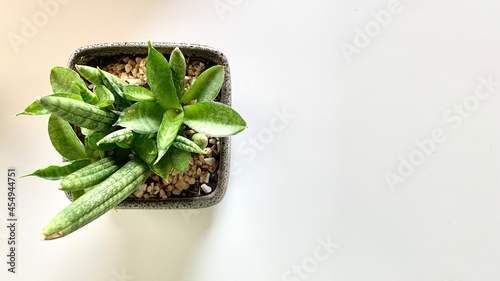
94,54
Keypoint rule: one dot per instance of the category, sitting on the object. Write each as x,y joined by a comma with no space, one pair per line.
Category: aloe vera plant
129,131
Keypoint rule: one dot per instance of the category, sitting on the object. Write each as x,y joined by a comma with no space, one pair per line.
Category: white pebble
206,188
206,179
210,161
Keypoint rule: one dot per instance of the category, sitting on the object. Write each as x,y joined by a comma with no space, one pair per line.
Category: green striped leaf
36,109
159,77
207,86
65,80
214,119
65,140
142,117
59,171
172,120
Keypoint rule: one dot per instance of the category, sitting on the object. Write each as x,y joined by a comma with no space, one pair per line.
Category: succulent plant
130,131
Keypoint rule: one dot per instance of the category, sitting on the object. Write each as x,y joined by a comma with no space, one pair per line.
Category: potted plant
120,138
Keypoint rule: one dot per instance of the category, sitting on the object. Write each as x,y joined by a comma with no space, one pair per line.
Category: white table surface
372,150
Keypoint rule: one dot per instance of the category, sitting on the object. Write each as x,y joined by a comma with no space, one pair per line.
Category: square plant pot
102,54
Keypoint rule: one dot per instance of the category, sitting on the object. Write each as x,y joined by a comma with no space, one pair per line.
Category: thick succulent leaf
77,194
65,80
142,117
207,86
178,66
94,138
162,168
59,171
106,98
138,93
159,77
117,136
87,95
90,73
214,119
36,109
186,144
115,85
172,120
64,139
180,158
146,149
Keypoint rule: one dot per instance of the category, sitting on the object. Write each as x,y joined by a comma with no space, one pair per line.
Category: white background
319,175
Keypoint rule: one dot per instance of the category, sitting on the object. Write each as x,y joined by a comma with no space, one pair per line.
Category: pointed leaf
159,77
138,93
180,158
94,138
117,136
105,96
59,171
146,149
115,85
162,168
214,119
186,144
207,86
178,66
172,120
64,139
65,80
90,73
143,117
36,109
87,95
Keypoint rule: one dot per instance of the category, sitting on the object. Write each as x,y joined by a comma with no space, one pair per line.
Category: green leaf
178,66
36,109
117,136
179,158
142,117
159,77
188,145
94,138
207,86
172,120
200,139
214,119
59,171
146,149
64,139
77,194
162,168
138,93
87,95
115,85
65,80
90,73
105,96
